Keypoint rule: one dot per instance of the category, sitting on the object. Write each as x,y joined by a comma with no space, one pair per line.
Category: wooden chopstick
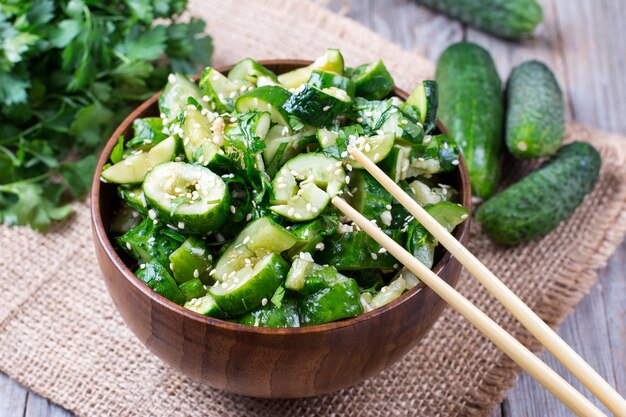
489,328
524,314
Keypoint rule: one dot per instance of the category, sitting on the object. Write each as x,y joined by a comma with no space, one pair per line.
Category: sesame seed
181,225
142,266
382,250
233,209
291,211
388,206
298,216
233,119
326,108
320,246
455,162
338,171
246,240
374,256
128,246
349,167
281,185
347,179
248,217
359,119
152,214
196,273
464,216
344,154
264,302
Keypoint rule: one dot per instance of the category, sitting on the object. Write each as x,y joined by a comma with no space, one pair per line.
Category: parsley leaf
69,73
277,298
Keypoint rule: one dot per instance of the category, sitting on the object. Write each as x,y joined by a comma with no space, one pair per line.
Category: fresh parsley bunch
69,72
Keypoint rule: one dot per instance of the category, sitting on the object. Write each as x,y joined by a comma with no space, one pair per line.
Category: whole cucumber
471,105
535,206
512,19
535,112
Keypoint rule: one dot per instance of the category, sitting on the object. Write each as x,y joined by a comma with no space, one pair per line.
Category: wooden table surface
584,42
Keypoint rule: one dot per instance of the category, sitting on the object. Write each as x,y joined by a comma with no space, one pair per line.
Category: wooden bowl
263,362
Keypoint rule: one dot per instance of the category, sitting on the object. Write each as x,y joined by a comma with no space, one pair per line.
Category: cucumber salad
225,196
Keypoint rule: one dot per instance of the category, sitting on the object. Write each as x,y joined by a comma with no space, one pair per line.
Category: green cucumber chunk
535,111
156,277
376,147
134,197
194,288
218,91
396,164
206,306
301,267
200,145
258,238
355,250
339,299
324,79
304,186
134,169
372,81
149,241
387,294
311,234
370,198
269,99
424,100
189,197
537,204
294,143
125,218
404,130
435,154
271,315
192,260
250,285
315,106
175,96
250,71
331,61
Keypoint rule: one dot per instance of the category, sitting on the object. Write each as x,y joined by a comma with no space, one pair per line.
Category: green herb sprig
69,72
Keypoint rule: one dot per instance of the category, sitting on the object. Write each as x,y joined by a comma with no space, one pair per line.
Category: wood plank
37,406
586,330
404,22
12,398
594,48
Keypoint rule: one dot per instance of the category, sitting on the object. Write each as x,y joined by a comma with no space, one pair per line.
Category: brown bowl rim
96,219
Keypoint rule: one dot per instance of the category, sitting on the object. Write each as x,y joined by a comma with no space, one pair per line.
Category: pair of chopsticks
554,383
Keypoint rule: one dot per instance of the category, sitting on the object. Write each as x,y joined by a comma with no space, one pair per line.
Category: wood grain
583,42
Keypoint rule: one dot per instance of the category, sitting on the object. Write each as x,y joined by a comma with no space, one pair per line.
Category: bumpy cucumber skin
314,106
534,112
155,276
511,19
537,204
338,301
471,105
147,242
271,316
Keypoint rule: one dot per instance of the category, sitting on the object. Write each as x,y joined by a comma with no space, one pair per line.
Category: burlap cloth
61,336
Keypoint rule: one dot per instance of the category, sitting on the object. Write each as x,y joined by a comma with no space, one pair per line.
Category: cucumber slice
436,154
353,251
323,79
192,260
424,195
266,99
250,71
301,267
194,288
219,90
318,107
448,214
425,99
206,306
370,198
125,219
247,288
403,129
254,241
133,169
376,147
134,198
188,197
339,299
396,164
199,143
372,81
310,235
155,276
294,142
388,293
149,242
326,138
175,96
331,61
305,185
272,316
